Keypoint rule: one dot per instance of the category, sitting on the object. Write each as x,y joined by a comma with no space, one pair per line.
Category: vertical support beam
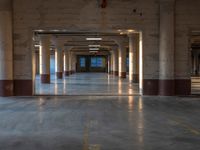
6,49
133,58
109,64
73,63
45,59
122,60
70,63
166,59
59,63
37,61
66,62
115,62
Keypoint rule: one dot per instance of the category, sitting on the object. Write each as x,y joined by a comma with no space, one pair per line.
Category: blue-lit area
82,62
96,62
127,62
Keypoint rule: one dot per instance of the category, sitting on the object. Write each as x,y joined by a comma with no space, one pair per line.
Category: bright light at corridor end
94,49
130,31
93,39
94,45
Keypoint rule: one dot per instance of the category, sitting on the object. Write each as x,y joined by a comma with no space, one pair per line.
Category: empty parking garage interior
99,74
86,63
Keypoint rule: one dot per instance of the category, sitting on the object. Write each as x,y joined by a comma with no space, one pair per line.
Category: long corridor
87,84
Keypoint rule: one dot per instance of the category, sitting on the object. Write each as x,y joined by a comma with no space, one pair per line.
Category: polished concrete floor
87,84
100,123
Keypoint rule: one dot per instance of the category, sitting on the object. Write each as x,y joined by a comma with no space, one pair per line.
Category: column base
166,87
6,88
67,73
116,73
59,75
45,78
135,78
23,87
150,86
122,74
182,86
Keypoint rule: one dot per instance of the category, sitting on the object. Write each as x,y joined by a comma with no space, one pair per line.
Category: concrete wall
83,15
119,14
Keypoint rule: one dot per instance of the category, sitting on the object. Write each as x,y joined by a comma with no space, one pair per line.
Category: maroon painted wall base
150,87
182,86
45,78
122,74
67,73
116,73
135,78
166,87
59,75
6,87
23,87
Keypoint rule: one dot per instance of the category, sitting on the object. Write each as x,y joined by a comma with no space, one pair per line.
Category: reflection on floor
195,85
99,123
87,84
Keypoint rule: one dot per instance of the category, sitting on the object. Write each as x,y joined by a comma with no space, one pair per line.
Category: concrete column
70,63
59,63
122,60
73,63
115,62
111,62
45,59
37,61
66,63
6,49
137,60
166,59
133,58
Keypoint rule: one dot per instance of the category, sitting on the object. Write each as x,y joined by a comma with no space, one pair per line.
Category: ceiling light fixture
94,49
130,30
37,45
93,39
94,45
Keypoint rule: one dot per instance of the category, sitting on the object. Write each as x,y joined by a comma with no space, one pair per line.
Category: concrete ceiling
78,41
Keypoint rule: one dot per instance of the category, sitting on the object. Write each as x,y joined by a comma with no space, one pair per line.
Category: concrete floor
100,123
87,84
